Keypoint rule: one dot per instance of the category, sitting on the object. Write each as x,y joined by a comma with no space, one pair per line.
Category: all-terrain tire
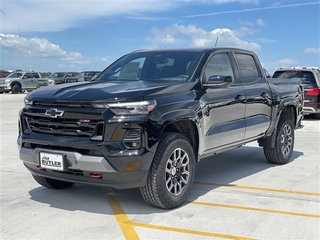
52,183
284,142
171,174
15,89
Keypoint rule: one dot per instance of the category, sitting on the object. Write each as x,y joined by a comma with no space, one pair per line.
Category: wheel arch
14,83
187,128
286,110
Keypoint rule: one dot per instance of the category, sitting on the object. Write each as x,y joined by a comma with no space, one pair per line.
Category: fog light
132,139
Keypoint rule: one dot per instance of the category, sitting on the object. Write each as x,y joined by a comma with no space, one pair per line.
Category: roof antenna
216,42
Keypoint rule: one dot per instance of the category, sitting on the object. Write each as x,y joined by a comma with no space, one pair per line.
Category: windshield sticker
130,70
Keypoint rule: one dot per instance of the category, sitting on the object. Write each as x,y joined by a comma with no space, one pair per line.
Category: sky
80,35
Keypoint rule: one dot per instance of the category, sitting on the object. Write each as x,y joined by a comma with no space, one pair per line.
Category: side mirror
24,77
218,81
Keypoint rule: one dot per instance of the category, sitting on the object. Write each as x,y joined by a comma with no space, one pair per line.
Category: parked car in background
4,73
20,81
83,76
60,77
310,80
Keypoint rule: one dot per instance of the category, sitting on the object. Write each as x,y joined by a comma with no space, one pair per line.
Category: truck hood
2,80
107,91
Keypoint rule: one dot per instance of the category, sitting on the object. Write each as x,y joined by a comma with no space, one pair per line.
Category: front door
223,108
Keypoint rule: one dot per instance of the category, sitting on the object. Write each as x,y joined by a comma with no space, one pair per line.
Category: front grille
63,104
63,127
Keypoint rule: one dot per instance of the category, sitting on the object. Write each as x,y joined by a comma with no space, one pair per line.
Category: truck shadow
222,169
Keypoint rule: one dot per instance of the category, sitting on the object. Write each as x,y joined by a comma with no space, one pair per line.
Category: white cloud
58,15
260,22
283,63
47,15
312,50
201,38
37,48
244,31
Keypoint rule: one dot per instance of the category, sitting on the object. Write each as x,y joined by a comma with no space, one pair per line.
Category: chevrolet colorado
151,115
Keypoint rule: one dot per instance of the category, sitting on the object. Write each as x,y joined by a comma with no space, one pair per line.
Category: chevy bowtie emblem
54,113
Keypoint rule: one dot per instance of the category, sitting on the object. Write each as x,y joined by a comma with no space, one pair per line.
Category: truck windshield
157,66
15,75
57,75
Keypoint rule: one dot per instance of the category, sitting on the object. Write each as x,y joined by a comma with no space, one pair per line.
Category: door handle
240,97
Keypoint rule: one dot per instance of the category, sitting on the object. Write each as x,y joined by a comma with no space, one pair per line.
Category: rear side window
248,68
305,77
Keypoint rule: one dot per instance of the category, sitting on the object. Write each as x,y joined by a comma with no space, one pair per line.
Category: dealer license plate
52,161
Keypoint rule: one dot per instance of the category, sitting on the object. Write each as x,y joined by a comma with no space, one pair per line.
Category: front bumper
311,108
118,169
5,88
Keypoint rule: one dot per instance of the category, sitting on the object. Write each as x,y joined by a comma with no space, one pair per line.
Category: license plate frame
53,161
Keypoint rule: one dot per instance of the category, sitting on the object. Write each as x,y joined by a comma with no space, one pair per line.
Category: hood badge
54,113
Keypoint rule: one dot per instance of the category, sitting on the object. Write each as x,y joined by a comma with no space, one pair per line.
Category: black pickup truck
151,115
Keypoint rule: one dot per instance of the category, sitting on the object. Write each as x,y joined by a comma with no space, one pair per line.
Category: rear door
223,108
258,95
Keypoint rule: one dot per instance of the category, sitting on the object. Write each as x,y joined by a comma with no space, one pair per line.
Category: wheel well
189,130
14,83
290,112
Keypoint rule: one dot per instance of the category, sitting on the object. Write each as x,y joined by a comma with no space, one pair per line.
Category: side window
248,68
219,64
28,75
35,75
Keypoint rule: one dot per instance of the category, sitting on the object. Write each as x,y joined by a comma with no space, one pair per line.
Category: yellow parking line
126,227
254,209
187,231
259,188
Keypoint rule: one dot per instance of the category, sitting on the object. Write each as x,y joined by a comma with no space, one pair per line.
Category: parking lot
236,195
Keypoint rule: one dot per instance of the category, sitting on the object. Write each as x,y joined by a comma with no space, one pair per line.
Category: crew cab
83,76
20,81
60,77
151,115
310,80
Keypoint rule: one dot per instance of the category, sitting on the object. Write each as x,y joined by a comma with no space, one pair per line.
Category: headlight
27,101
129,108
7,81
51,82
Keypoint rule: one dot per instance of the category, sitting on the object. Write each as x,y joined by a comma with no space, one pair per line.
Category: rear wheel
52,183
284,142
15,89
171,174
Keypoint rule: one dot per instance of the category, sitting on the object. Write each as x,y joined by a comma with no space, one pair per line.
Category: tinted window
35,75
153,66
28,75
305,77
248,68
15,75
219,64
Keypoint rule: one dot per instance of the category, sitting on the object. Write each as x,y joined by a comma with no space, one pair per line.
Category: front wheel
284,142
52,183
15,89
171,174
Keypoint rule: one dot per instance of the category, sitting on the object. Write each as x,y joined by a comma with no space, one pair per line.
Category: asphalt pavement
236,195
